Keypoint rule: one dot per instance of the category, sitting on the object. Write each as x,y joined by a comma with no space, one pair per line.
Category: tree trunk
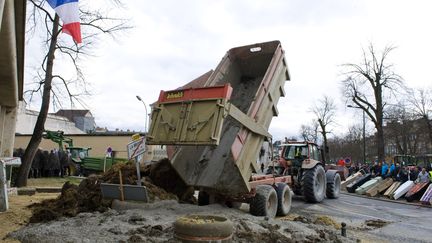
380,142
326,152
325,142
36,138
379,120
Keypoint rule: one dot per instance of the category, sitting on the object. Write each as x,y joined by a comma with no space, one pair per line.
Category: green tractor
82,163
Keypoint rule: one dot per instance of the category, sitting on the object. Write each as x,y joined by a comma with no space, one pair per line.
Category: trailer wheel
333,187
265,201
314,184
284,199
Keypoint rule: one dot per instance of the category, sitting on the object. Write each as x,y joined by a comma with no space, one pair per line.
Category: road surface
406,223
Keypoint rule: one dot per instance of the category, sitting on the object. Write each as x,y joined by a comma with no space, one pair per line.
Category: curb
26,191
48,189
387,200
29,191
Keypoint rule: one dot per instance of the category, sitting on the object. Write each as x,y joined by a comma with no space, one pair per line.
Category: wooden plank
391,188
386,184
376,189
397,185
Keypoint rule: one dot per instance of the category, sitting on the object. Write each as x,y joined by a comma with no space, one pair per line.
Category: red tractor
304,163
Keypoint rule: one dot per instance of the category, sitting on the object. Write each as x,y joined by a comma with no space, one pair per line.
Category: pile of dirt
325,220
273,232
163,175
160,179
128,172
73,200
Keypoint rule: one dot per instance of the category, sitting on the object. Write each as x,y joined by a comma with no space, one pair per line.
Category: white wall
26,120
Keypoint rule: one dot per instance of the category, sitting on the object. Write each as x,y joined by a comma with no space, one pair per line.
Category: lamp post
364,131
146,115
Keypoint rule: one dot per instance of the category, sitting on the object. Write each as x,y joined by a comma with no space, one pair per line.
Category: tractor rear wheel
284,199
265,202
314,184
333,187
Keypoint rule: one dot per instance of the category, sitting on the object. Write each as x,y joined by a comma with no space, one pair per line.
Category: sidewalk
400,201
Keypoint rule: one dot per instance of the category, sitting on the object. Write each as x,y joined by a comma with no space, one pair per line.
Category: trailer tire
203,228
265,201
314,184
333,187
284,199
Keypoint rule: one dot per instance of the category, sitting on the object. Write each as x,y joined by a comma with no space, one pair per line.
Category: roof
70,114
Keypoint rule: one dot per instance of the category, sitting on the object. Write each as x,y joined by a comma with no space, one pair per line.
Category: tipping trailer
219,125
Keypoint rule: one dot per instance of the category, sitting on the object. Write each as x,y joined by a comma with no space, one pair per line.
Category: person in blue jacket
384,170
392,168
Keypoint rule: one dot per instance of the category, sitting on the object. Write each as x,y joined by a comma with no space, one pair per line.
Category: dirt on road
19,213
153,222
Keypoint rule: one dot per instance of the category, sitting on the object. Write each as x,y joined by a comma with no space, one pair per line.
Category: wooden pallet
380,187
391,189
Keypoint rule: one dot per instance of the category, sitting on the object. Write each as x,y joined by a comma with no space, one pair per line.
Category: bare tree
401,130
420,102
325,111
52,86
348,145
369,85
310,132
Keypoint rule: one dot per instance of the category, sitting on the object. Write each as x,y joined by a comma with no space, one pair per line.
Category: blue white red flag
68,12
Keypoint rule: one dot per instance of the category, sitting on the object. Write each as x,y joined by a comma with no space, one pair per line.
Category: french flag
68,12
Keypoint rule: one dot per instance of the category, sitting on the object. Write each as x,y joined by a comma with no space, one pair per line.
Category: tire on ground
203,227
333,187
314,184
284,199
265,201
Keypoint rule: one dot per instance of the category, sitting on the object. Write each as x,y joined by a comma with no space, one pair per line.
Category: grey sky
175,41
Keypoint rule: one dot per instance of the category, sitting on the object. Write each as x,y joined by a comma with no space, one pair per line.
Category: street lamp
364,131
145,106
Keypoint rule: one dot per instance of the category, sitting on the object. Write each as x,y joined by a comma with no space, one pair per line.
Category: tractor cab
78,153
300,154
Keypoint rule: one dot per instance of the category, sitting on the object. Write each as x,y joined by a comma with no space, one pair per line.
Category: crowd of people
395,171
45,163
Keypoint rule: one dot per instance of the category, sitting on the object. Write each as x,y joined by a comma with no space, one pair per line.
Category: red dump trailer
218,124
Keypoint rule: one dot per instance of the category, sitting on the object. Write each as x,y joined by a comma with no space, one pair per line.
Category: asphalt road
406,223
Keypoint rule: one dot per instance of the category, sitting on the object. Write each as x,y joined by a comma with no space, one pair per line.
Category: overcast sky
174,42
